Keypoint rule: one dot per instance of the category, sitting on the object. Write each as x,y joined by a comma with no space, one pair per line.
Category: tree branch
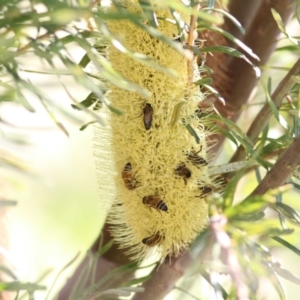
282,170
244,12
164,278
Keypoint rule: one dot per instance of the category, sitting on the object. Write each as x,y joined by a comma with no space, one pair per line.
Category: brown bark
244,12
282,170
164,278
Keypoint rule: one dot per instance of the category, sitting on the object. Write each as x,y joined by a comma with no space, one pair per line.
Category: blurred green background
59,212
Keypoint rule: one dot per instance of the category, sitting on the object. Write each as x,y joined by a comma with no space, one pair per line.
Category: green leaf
148,12
85,60
291,215
87,102
230,37
276,114
140,57
215,92
18,286
281,27
84,126
289,48
59,273
275,282
286,244
251,205
260,228
203,15
176,113
287,275
242,138
216,286
230,167
203,81
273,146
117,272
229,16
115,110
52,116
232,52
138,280
105,248
193,133
256,216
4,203
8,272
229,191
245,142
107,71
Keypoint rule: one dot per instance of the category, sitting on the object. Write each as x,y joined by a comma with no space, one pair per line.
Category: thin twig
190,42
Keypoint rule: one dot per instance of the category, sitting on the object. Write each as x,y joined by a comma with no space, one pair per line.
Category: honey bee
148,113
153,240
129,180
196,159
183,171
155,202
205,190
220,181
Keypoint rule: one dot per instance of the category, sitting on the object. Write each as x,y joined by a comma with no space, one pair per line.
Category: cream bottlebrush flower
161,174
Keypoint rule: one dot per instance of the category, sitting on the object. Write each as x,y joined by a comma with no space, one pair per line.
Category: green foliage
47,29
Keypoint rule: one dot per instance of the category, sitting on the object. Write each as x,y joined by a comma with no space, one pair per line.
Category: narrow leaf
83,127
286,244
18,286
105,248
138,280
149,13
59,273
231,38
192,131
85,60
229,16
232,52
87,102
176,113
272,276
275,111
292,215
249,206
230,189
281,27
287,275
4,203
